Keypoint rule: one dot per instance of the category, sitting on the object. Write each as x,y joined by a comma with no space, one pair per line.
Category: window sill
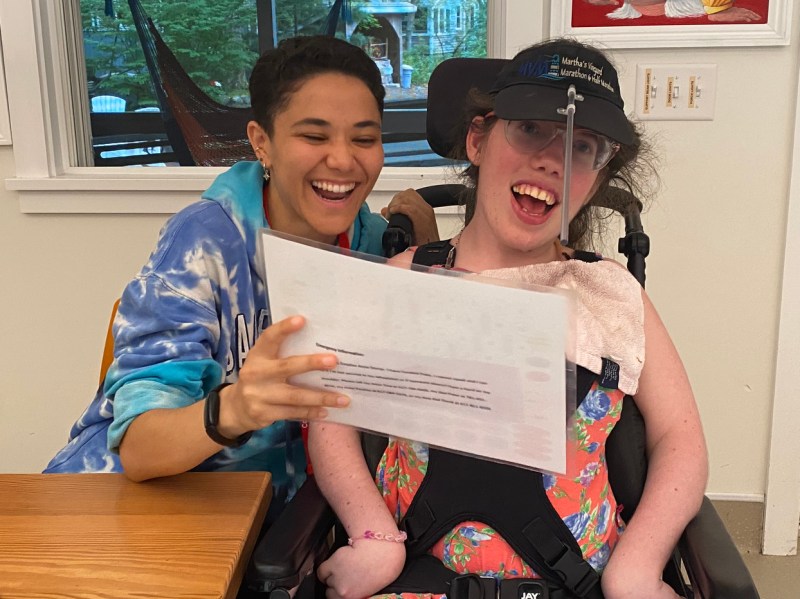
163,190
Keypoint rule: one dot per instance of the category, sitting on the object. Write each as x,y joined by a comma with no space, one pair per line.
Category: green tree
214,40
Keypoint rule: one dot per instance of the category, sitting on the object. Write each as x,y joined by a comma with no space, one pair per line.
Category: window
204,49
48,101
421,20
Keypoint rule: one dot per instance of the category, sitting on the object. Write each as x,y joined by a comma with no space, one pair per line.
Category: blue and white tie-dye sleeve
170,333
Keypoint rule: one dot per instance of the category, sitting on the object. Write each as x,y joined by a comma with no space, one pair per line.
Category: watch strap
211,421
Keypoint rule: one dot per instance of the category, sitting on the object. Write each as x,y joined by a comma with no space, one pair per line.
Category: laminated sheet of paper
447,360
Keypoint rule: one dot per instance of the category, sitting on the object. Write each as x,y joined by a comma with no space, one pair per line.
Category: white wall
717,232
60,275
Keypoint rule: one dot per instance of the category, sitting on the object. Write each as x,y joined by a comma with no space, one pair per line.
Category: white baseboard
743,497
747,497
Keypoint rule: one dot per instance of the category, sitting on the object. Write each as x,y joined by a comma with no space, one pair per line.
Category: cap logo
558,67
546,67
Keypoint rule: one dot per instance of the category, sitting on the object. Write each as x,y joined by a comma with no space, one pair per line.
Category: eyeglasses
590,151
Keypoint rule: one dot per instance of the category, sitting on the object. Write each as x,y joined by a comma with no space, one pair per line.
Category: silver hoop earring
258,152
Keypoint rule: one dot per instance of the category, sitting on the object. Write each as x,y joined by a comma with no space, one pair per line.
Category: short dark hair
280,71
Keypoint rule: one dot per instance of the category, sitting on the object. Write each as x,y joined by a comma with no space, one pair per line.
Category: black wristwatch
211,420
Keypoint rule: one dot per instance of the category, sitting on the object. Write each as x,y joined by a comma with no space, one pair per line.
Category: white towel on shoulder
610,312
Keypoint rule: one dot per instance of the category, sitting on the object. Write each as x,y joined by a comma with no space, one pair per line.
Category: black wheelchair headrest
449,84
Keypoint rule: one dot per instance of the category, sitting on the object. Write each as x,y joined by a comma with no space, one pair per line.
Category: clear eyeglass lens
590,151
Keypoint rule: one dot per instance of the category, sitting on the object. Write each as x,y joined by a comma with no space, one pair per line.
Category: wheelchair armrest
289,549
714,565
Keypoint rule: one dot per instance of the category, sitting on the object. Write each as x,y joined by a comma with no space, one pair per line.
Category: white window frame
33,32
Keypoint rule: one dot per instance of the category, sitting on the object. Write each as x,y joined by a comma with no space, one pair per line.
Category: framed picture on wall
673,23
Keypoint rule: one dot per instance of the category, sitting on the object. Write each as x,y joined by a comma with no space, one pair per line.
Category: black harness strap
528,522
583,256
437,253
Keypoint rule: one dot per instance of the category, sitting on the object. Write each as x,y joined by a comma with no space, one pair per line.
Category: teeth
333,187
535,192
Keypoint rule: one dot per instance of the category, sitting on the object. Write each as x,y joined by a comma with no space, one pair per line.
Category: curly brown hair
631,169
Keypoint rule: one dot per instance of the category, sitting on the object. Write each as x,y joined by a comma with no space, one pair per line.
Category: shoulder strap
526,518
437,253
584,256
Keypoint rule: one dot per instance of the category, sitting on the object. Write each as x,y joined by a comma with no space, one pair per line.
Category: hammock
201,131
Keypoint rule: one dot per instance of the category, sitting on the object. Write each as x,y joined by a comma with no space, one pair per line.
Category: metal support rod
569,111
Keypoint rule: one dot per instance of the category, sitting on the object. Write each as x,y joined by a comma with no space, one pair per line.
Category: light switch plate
676,92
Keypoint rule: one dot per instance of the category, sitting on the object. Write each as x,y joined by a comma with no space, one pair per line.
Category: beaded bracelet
379,536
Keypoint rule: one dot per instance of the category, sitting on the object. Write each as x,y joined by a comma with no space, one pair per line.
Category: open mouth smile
331,191
532,200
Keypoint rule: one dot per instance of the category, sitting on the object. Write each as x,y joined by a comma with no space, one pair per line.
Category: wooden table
100,535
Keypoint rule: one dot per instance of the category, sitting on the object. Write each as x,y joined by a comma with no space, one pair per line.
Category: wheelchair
704,565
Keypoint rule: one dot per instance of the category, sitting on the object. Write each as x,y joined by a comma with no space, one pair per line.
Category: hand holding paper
262,395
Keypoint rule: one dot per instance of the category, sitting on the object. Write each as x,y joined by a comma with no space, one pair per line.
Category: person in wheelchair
514,140
196,383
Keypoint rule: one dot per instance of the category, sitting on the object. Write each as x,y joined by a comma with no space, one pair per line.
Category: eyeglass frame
559,129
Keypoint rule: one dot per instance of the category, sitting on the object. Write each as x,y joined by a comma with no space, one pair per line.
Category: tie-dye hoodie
186,323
